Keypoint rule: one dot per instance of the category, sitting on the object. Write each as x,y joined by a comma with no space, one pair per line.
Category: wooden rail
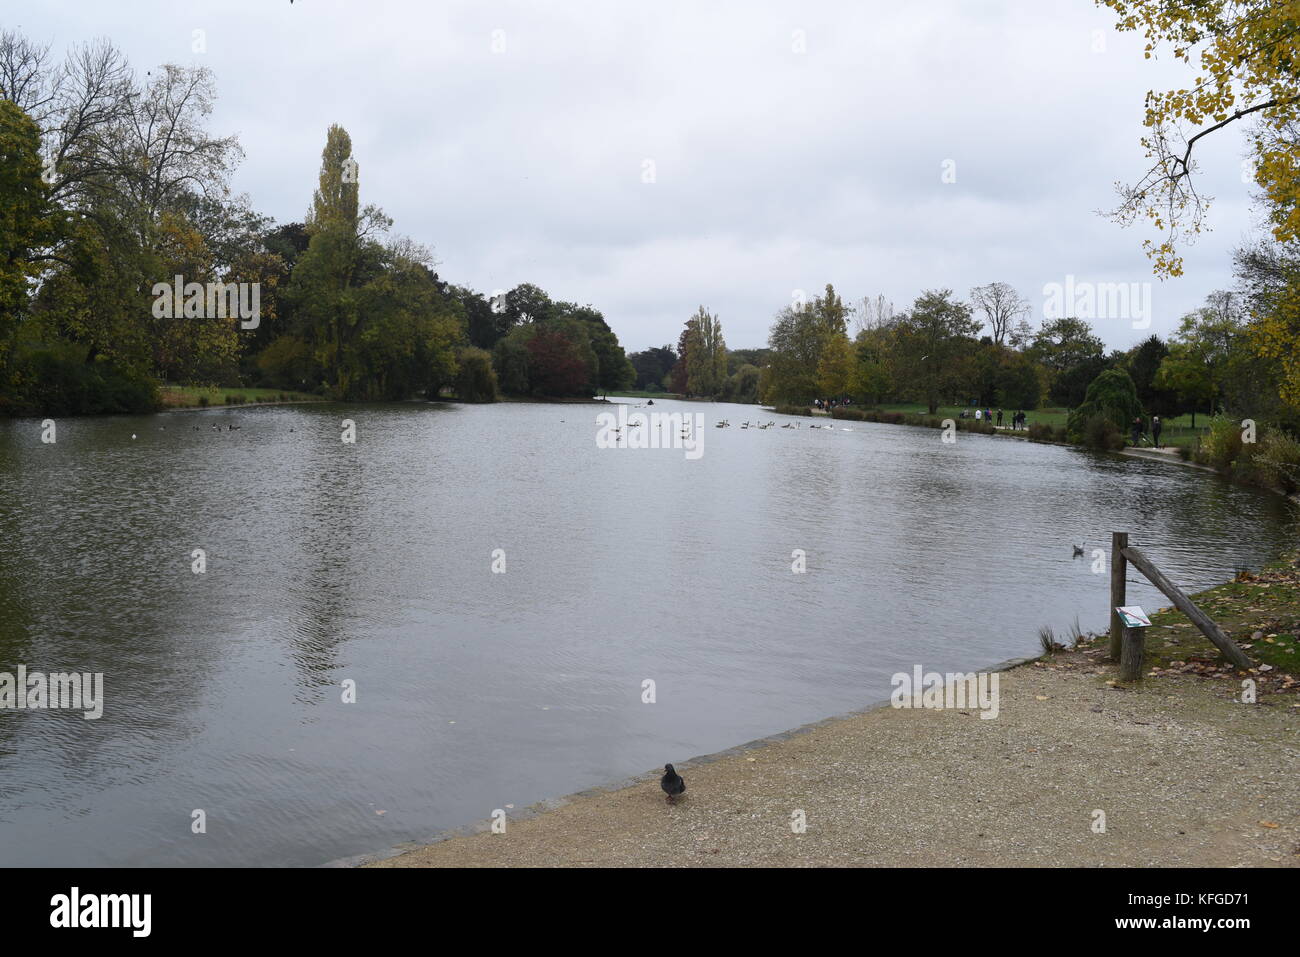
1126,643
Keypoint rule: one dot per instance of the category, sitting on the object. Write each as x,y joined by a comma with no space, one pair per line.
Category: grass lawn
187,396
1177,431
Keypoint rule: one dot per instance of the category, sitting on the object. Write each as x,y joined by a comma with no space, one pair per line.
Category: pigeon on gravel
672,783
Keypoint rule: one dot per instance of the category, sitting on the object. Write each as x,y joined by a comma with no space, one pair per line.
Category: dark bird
672,783
1078,550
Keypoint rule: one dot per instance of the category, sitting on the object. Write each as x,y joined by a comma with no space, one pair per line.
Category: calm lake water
373,562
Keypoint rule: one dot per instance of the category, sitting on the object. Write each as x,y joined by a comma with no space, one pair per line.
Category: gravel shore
1185,776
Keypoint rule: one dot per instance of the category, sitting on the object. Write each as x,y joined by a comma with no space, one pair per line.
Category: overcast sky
793,143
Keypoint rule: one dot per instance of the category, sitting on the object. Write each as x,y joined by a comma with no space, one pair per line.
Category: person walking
1155,430
1137,430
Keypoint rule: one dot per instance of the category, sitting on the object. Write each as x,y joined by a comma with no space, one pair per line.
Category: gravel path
1184,775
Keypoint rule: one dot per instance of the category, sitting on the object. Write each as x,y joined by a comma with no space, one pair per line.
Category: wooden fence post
1130,662
1118,574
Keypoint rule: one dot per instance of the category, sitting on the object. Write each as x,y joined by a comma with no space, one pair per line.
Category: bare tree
162,147
25,75
89,96
873,313
1001,305
107,136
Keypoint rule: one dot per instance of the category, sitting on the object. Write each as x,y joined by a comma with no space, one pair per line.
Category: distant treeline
125,262
1227,357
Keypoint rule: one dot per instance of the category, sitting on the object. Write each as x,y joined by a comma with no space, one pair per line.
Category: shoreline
232,406
1150,455
546,805
636,780
885,786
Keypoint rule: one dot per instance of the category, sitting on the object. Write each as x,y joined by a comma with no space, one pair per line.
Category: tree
475,379
651,365
1018,383
706,354
742,385
871,379
328,287
874,312
1111,398
1143,365
25,217
747,357
835,367
679,376
510,360
160,150
933,336
186,350
1020,335
527,303
410,328
1073,356
796,349
1270,276
335,203
1201,351
1062,343
1001,305
131,174
614,373
558,365
1247,60
800,338
80,106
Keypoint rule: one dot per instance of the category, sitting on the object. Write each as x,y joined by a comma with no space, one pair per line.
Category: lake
372,563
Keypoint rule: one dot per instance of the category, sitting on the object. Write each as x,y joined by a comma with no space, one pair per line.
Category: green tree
26,225
1201,351
932,339
800,337
335,202
706,354
1073,356
651,365
1270,275
476,381
1112,398
1019,385
742,385
328,285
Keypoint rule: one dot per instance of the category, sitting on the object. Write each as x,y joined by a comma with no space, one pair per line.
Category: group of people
826,405
1139,429
986,415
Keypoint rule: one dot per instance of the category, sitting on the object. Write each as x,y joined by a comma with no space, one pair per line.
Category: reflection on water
475,690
